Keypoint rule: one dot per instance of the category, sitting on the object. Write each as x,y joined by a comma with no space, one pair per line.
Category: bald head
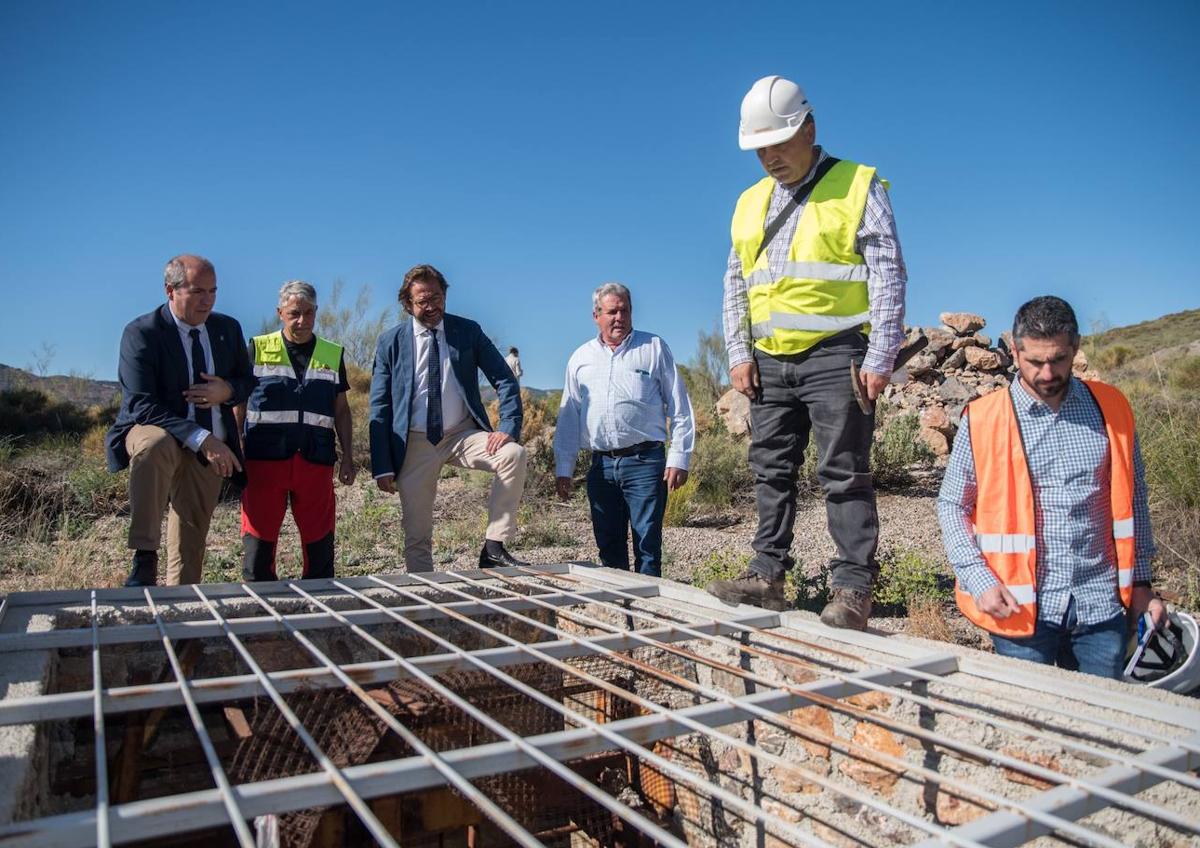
191,284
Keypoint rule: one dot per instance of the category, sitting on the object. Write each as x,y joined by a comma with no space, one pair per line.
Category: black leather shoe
498,556
145,570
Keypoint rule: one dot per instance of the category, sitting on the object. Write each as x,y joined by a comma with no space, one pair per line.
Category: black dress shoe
497,556
145,570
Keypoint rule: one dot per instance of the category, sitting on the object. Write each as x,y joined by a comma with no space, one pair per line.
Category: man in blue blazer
426,412
183,368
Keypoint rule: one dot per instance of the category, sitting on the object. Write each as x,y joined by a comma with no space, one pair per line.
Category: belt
631,450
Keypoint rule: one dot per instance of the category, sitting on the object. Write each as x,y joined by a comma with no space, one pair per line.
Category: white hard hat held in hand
772,111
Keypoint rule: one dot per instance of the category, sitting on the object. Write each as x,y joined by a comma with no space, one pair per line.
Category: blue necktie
433,415
203,416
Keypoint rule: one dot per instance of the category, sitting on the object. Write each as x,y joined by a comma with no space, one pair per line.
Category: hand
873,384
998,602
386,484
675,477
220,458
347,472
562,486
213,392
1145,600
497,440
745,379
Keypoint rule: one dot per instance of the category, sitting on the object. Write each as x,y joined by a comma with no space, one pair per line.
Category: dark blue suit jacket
153,374
393,382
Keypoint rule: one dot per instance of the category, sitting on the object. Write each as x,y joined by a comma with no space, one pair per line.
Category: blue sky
532,151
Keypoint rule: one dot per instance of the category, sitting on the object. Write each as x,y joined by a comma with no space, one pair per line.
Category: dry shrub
927,620
1109,358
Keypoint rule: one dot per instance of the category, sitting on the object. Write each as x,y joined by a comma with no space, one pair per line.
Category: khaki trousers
163,472
465,447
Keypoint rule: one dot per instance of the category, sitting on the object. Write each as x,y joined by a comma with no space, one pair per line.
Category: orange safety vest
1004,510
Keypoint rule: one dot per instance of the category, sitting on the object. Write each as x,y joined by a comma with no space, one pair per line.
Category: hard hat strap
798,197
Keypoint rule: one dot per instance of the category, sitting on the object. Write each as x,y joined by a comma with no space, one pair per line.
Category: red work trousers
271,485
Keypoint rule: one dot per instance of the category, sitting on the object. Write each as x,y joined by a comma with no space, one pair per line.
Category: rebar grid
960,787
507,594
974,751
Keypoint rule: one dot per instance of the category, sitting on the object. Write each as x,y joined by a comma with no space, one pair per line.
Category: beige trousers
465,447
163,472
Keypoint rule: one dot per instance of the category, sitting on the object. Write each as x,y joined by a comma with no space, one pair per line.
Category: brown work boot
847,609
750,588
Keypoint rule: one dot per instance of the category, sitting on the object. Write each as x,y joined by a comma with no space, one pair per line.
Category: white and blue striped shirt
615,399
1068,457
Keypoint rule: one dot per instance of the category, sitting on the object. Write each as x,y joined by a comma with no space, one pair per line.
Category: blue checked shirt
1068,460
887,278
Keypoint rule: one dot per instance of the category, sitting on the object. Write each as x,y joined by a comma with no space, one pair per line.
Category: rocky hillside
81,391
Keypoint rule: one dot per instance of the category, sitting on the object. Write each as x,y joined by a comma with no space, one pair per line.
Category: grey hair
1044,318
175,274
605,289
297,288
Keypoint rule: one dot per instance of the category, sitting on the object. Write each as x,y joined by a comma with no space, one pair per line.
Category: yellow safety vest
823,288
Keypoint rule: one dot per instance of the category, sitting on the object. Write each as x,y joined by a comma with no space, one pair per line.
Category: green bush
897,448
719,565
1185,375
1108,358
719,467
679,503
906,576
31,413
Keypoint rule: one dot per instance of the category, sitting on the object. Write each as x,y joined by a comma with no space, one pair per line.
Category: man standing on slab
621,389
815,282
426,412
182,369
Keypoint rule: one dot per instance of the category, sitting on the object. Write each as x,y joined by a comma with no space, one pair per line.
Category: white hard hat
1167,658
772,112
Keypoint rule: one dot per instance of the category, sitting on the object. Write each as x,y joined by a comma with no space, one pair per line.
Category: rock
1045,760
967,341
821,723
955,811
871,700
938,443
923,363
954,390
962,323
791,781
935,418
939,339
1006,343
1080,365
955,360
734,409
982,359
866,771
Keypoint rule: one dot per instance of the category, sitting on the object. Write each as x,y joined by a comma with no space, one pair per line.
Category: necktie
433,416
203,416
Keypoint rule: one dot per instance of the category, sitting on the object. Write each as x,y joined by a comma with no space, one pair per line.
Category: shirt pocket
630,384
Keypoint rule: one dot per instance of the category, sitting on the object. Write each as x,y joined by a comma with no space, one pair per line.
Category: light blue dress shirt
615,399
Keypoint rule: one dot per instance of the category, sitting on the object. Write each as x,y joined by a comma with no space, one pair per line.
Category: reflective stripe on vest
822,288
285,415
1004,529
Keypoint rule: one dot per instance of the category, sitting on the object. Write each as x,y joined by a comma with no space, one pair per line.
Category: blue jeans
1097,649
628,492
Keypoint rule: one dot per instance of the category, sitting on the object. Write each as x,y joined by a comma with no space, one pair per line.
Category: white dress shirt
185,330
619,398
454,408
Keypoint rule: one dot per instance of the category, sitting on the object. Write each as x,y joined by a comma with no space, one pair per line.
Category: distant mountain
81,391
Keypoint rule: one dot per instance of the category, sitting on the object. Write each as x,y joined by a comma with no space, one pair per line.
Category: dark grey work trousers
802,394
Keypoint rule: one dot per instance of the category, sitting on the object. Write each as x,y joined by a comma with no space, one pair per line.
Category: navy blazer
153,373
393,381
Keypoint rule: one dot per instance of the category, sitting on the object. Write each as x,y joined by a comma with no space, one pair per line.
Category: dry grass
927,620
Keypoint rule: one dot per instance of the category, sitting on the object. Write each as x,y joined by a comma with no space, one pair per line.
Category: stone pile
959,365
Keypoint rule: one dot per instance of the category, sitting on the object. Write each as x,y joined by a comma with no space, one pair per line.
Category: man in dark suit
426,411
183,368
